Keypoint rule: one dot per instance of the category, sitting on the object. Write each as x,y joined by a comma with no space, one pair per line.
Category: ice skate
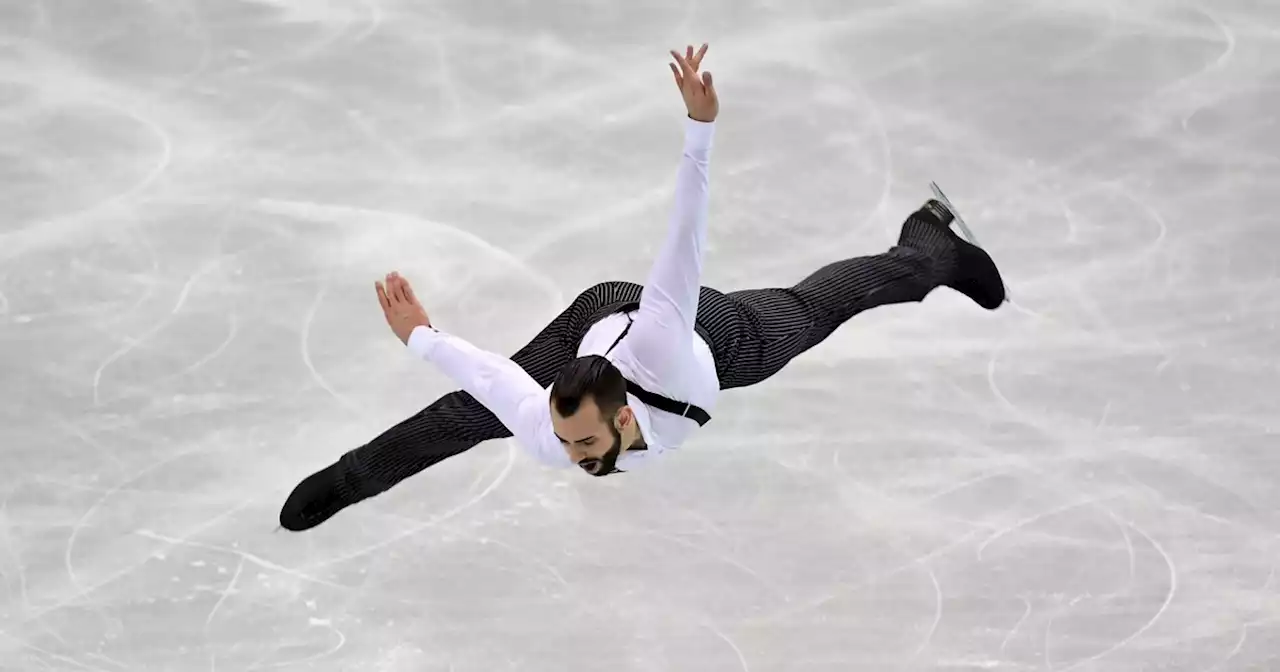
977,276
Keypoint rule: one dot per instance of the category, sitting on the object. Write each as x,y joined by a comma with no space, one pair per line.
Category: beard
607,463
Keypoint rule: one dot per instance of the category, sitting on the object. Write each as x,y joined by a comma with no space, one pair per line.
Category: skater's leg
451,425
764,329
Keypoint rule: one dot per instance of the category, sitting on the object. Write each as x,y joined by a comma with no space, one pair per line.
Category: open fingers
696,59
686,70
679,80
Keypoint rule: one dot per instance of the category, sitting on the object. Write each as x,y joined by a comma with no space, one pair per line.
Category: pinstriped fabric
756,332
753,334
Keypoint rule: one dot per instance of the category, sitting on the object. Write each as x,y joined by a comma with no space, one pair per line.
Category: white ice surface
196,196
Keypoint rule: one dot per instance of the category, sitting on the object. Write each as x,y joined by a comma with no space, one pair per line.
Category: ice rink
197,195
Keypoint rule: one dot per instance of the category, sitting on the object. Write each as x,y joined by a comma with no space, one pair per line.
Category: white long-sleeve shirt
661,353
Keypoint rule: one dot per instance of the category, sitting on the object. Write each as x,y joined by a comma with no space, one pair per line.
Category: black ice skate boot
975,274
319,497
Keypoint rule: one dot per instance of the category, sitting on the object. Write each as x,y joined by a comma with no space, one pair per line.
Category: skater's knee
611,291
596,294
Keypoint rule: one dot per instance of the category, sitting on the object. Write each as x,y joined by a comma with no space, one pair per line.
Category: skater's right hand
401,307
699,93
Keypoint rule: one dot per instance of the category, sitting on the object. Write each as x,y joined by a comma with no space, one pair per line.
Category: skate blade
965,231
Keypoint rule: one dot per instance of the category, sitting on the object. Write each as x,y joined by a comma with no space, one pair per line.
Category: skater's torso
697,384
661,356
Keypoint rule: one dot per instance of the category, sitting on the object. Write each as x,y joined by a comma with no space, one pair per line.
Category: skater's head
590,415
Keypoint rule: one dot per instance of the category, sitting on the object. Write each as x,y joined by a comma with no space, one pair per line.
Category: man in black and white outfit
627,372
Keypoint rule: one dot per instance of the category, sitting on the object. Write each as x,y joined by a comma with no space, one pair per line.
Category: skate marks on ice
447,261
1087,512
62,100
334,24
1154,523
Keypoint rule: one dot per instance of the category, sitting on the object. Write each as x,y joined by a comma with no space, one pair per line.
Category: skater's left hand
401,307
699,93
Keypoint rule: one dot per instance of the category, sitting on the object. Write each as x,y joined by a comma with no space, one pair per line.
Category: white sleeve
507,390
664,325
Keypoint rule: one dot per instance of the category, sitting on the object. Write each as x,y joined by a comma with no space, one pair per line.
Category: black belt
683,409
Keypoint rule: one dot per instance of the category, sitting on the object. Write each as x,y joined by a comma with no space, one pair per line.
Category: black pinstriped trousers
752,335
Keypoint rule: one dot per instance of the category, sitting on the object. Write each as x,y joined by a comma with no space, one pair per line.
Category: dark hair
591,376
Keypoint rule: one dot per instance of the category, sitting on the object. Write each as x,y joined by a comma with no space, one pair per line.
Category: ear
624,417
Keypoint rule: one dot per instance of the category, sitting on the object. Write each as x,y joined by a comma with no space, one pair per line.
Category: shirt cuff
422,341
698,134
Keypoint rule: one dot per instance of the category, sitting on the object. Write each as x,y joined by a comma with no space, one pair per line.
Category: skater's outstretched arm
511,394
669,304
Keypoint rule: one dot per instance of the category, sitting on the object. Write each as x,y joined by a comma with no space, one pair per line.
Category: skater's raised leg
757,332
